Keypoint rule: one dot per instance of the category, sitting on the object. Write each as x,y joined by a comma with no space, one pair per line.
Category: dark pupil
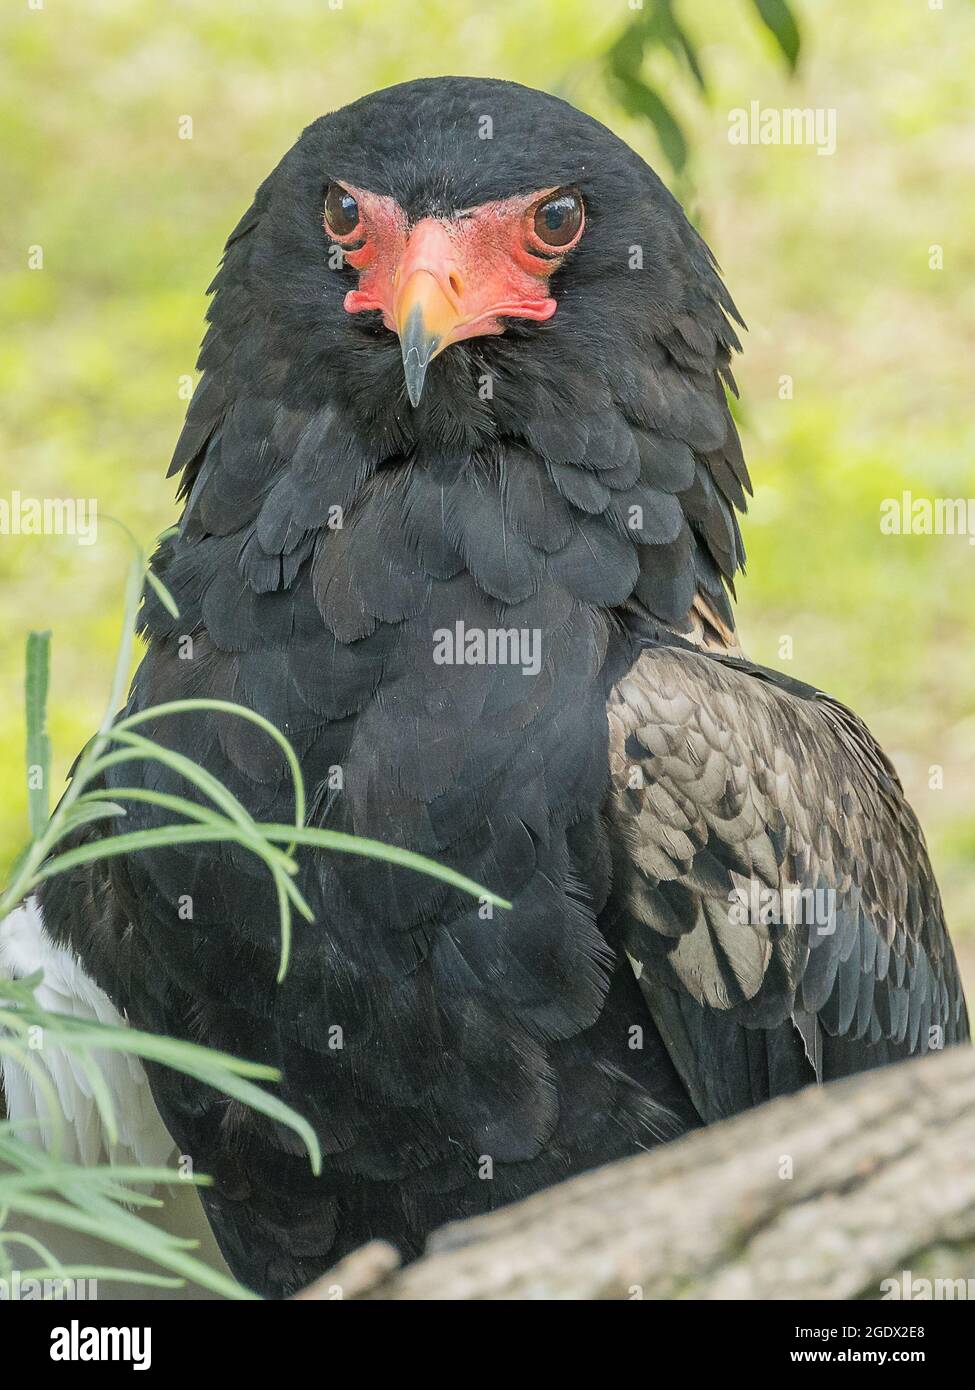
557,222
342,210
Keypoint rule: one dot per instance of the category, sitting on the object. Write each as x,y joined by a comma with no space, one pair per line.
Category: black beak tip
419,347
415,371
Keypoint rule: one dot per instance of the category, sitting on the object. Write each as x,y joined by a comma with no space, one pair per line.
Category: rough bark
819,1195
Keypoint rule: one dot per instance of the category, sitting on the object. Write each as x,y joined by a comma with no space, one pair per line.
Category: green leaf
640,100
677,38
84,811
240,712
134,841
102,1274
626,54
162,593
781,23
18,863
378,849
685,46
129,1233
38,744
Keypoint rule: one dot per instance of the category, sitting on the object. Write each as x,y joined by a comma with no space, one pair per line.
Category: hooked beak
428,307
426,319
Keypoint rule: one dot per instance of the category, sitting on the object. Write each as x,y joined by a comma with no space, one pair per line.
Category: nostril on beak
455,283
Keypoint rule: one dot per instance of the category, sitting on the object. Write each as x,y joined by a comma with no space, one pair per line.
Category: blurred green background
827,257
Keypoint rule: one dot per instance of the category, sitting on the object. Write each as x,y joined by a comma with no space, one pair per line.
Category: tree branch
819,1195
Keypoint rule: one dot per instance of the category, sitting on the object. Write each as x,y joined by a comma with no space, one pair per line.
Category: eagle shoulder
779,893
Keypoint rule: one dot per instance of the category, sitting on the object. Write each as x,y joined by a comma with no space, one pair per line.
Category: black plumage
589,497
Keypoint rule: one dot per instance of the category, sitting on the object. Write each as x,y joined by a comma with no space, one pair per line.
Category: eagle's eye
341,211
558,221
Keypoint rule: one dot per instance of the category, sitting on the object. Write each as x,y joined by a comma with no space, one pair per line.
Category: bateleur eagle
460,486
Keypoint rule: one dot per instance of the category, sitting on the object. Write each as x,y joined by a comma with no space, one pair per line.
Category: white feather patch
25,947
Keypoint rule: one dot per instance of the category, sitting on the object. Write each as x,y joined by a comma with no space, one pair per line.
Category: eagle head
461,277
462,243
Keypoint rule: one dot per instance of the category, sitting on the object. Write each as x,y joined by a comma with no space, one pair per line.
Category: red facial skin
463,274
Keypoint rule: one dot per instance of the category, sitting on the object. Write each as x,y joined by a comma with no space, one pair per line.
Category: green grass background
826,257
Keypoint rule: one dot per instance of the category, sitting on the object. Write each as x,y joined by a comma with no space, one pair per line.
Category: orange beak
428,302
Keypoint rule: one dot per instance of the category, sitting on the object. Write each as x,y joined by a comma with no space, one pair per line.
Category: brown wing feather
779,906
